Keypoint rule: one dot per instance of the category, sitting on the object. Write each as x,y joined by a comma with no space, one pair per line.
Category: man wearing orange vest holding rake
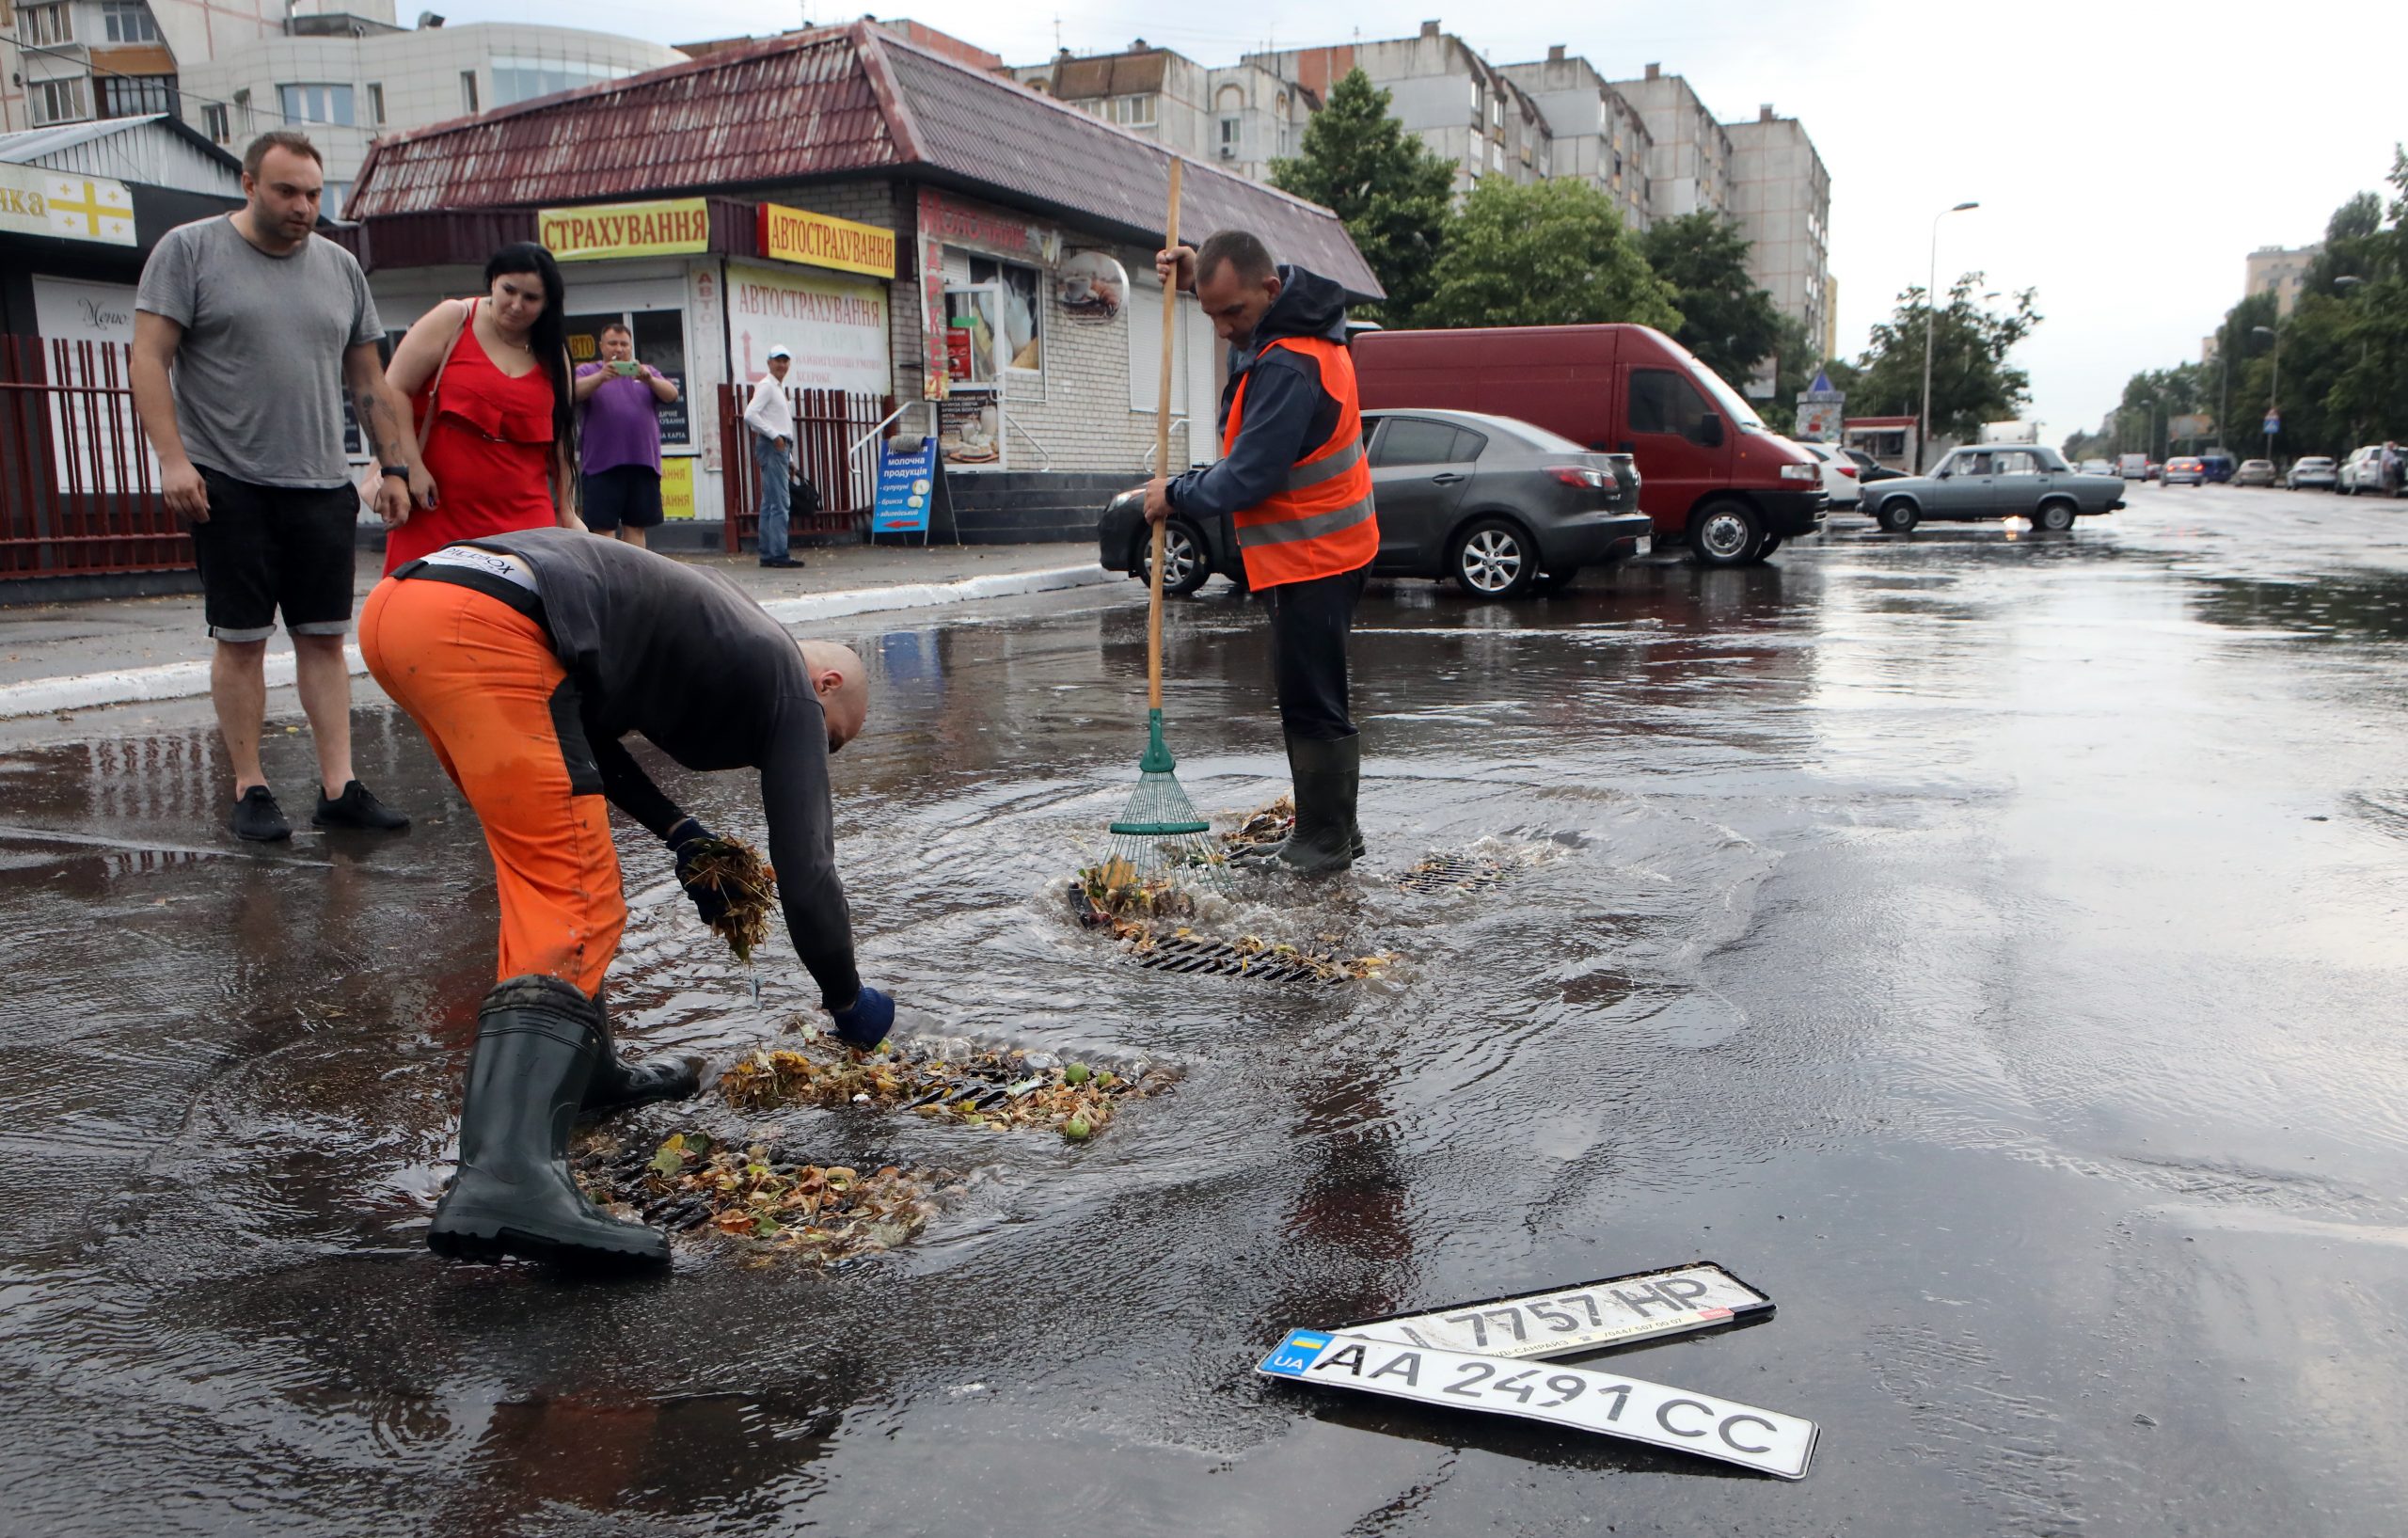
1293,479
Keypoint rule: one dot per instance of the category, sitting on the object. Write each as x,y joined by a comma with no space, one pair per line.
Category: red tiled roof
832,103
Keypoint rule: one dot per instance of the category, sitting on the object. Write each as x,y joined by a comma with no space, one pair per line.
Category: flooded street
1989,944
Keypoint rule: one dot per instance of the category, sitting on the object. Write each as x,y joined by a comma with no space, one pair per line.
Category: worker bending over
1292,478
525,658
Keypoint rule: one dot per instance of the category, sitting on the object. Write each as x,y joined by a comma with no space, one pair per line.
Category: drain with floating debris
1155,943
1454,873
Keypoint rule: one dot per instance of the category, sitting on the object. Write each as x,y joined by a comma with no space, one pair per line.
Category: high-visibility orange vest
1322,523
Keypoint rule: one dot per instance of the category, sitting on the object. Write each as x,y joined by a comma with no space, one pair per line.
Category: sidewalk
74,656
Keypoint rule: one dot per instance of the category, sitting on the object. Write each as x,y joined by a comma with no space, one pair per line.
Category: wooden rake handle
1161,448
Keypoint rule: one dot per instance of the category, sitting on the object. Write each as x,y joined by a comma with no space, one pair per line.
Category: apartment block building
1780,194
1462,107
2281,271
1599,137
1162,95
1688,163
346,79
72,61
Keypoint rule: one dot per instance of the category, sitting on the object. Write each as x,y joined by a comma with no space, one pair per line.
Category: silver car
1995,481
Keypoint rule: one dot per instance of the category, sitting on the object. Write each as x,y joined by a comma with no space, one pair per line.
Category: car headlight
1801,473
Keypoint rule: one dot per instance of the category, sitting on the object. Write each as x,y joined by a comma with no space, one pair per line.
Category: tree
1548,253
1394,197
1797,356
1726,319
1972,381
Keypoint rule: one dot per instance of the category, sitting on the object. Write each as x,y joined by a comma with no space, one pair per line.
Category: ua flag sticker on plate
1579,1399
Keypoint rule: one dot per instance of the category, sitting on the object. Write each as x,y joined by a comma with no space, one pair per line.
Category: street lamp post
1930,322
2273,384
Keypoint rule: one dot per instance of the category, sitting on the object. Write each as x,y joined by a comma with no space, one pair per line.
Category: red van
1711,473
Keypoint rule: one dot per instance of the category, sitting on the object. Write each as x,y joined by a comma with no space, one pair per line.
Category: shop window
136,96
59,101
45,27
315,103
128,20
1019,313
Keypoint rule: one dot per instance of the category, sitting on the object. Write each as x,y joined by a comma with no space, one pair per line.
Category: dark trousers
1308,625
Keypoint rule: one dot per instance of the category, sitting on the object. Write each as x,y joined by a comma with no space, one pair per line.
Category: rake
1160,828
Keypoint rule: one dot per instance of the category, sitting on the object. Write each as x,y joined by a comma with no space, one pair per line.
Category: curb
182,680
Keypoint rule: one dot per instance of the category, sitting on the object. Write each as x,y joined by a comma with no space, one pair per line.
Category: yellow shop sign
819,240
673,227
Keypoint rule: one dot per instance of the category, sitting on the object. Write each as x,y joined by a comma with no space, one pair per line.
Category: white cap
779,350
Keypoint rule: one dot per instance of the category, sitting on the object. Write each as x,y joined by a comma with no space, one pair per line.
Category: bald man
526,658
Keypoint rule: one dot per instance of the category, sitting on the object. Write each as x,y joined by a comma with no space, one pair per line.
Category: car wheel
1899,516
1723,533
1555,581
2054,516
1184,568
1493,560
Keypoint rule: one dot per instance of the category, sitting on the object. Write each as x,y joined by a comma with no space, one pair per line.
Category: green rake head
1160,828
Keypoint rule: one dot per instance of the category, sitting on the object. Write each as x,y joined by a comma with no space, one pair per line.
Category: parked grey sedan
1995,481
1500,505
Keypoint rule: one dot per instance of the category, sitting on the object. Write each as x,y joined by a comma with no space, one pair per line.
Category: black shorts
265,548
629,494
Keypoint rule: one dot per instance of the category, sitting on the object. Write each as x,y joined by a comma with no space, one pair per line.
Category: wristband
399,472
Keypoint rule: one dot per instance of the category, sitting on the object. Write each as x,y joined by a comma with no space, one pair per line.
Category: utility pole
2275,385
1930,322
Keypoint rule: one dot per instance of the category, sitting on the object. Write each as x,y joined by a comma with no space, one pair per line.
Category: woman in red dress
488,381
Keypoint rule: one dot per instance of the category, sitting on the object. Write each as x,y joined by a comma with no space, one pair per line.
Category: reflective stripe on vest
1322,522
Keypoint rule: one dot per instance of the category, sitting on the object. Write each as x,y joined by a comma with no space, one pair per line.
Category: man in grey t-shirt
247,328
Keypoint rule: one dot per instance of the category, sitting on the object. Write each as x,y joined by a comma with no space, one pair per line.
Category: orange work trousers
480,679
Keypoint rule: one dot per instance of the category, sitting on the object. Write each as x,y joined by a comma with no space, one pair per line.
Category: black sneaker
356,807
258,818
783,563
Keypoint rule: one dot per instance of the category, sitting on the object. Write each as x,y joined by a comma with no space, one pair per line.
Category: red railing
79,489
827,424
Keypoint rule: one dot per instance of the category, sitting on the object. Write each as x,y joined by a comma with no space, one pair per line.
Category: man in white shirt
770,417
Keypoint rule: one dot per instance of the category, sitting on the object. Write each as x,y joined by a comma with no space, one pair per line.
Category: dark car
1869,469
1499,506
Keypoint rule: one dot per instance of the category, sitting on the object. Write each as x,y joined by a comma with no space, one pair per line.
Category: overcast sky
2128,154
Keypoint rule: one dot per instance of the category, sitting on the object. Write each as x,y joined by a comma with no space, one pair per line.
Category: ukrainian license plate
1644,1306
1580,1399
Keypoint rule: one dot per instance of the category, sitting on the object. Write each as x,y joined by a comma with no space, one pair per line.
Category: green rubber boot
615,1085
537,1040
1264,854
1328,775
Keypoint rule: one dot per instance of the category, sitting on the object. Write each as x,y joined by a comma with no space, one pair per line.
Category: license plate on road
1644,1306
1580,1398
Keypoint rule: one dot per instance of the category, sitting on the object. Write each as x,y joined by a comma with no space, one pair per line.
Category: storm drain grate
1189,956
1453,873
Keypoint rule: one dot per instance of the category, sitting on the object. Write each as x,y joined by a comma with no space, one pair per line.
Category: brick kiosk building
1005,329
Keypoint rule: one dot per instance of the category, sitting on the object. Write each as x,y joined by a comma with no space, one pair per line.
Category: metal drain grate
1453,873
1190,956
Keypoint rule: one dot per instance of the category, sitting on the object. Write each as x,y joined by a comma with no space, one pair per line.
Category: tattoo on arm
376,422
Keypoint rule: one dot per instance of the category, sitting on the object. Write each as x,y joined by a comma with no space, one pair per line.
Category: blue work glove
864,1022
683,838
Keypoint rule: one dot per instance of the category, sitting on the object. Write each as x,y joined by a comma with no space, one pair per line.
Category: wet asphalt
1988,943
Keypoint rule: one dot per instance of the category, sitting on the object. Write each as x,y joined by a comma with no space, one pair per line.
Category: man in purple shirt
620,400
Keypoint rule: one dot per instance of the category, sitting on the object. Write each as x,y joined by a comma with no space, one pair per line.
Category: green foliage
1797,356
1548,253
2340,374
1726,319
1972,381
1393,195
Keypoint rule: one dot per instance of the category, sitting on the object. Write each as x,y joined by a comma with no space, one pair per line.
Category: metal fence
827,424
79,488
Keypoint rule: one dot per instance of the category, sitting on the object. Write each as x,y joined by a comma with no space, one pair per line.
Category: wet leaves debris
817,1213
986,1089
748,882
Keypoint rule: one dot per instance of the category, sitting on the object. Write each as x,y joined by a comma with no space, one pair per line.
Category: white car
2097,467
2316,471
1839,475
2362,472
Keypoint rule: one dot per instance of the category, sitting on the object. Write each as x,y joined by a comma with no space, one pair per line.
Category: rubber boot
615,1085
1264,854
1328,774
538,1042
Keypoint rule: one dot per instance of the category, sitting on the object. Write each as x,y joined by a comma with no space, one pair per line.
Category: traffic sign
2274,422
